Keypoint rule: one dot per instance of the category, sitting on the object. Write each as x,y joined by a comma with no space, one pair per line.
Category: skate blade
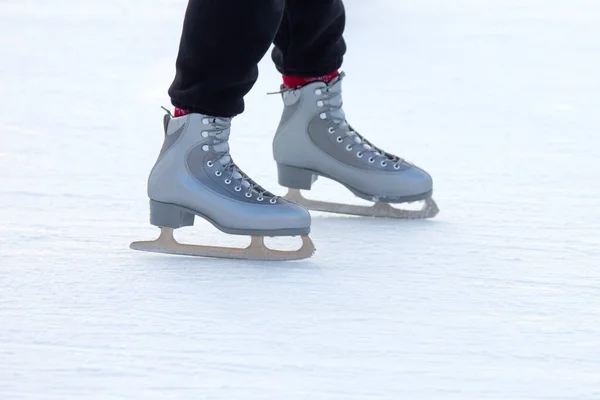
257,250
381,210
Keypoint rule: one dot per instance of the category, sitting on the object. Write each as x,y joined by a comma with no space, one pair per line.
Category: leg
195,175
309,42
314,138
221,44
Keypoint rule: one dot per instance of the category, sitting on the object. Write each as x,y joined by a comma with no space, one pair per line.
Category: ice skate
314,139
196,176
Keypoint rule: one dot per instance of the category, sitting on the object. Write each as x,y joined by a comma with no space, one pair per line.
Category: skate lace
332,100
219,144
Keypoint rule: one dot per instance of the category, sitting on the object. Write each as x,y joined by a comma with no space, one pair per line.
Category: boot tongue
223,148
223,145
338,113
335,87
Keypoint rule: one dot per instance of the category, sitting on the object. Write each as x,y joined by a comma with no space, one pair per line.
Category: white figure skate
196,176
314,139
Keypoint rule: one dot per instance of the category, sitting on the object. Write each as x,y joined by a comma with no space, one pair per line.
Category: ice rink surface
497,298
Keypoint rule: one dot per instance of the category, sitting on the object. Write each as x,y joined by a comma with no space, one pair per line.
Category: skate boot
314,139
196,176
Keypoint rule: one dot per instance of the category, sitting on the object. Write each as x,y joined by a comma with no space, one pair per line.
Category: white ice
497,298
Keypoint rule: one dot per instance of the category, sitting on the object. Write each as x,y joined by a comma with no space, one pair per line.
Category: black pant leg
221,44
310,40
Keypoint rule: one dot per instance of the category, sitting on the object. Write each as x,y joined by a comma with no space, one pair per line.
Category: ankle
294,82
178,112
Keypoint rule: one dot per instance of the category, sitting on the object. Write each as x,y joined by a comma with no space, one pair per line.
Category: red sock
178,112
294,82
290,82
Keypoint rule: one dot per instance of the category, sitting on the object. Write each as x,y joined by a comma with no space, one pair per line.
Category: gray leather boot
314,139
195,175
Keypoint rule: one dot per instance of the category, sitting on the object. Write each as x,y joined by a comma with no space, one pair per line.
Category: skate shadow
341,233
206,274
176,261
339,221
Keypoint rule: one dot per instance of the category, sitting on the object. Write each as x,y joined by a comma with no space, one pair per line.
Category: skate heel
294,177
166,215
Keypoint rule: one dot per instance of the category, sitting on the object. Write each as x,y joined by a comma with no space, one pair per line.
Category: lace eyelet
248,194
383,163
209,164
318,92
359,154
227,181
260,198
323,116
349,147
204,134
273,200
320,103
205,147
238,188
218,173
396,166
339,139
330,130
371,160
